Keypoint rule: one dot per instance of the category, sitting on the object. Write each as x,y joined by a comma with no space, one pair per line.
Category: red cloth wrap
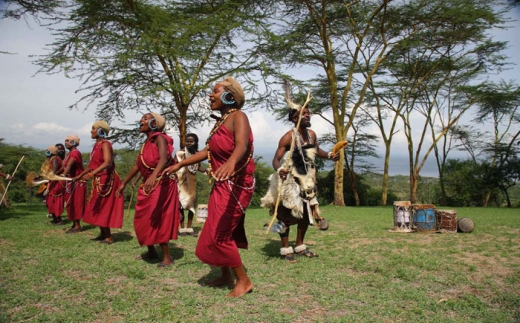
157,214
75,192
104,208
54,199
223,232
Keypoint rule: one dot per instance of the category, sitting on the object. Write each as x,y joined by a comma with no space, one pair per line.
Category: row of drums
410,217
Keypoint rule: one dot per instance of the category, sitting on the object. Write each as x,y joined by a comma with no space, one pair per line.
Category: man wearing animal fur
298,197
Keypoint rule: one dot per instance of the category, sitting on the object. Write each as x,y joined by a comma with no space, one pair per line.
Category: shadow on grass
272,249
122,236
18,210
175,252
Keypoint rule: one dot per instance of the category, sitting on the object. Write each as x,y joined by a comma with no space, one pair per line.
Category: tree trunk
384,186
182,126
338,181
353,187
413,186
508,200
486,199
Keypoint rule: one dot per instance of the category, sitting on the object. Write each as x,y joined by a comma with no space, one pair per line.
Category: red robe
223,232
75,192
54,198
157,216
104,208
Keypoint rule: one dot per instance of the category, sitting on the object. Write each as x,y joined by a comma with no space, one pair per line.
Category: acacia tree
349,43
17,9
500,105
423,78
139,55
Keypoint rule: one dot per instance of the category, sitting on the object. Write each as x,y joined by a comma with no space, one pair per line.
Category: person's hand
8,177
224,172
120,189
172,169
149,183
282,172
87,177
334,157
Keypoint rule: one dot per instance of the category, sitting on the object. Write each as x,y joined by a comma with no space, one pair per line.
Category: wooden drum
402,216
424,217
446,220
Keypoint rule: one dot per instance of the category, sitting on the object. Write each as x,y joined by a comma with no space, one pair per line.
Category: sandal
302,250
289,258
74,230
307,253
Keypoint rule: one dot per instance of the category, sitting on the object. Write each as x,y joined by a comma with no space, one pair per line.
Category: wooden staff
11,178
130,204
293,141
132,195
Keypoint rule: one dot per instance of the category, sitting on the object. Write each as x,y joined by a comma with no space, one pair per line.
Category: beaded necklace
94,148
191,168
158,179
213,131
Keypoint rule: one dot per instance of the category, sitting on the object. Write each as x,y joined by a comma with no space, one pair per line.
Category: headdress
288,97
73,138
159,121
53,150
102,124
234,88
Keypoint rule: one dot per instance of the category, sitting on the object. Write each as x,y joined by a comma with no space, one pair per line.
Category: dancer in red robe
229,150
75,192
157,216
104,208
55,189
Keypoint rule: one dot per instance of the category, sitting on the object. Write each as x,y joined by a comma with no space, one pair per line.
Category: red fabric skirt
54,199
223,232
75,200
157,215
104,208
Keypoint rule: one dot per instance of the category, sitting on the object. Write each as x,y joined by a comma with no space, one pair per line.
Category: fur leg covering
300,248
286,251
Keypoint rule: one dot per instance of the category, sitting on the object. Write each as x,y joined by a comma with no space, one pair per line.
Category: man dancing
299,202
187,182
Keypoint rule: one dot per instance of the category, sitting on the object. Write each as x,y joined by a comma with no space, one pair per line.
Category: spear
286,164
11,178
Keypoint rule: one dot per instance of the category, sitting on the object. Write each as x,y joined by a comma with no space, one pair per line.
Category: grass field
363,274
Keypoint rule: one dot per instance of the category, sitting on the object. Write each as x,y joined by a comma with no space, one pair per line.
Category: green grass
363,274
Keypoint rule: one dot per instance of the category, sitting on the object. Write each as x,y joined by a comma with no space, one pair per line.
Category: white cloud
50,127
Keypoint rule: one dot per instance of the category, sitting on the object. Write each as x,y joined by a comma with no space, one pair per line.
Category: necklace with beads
191,168
213,131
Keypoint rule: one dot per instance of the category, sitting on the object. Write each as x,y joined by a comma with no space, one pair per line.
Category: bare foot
221,281
167,261
241,289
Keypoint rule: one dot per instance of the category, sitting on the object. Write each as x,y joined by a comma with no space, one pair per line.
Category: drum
202,213
402,210
465,225
446,220
424,217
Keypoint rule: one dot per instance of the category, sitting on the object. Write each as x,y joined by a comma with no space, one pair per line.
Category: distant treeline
464,185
